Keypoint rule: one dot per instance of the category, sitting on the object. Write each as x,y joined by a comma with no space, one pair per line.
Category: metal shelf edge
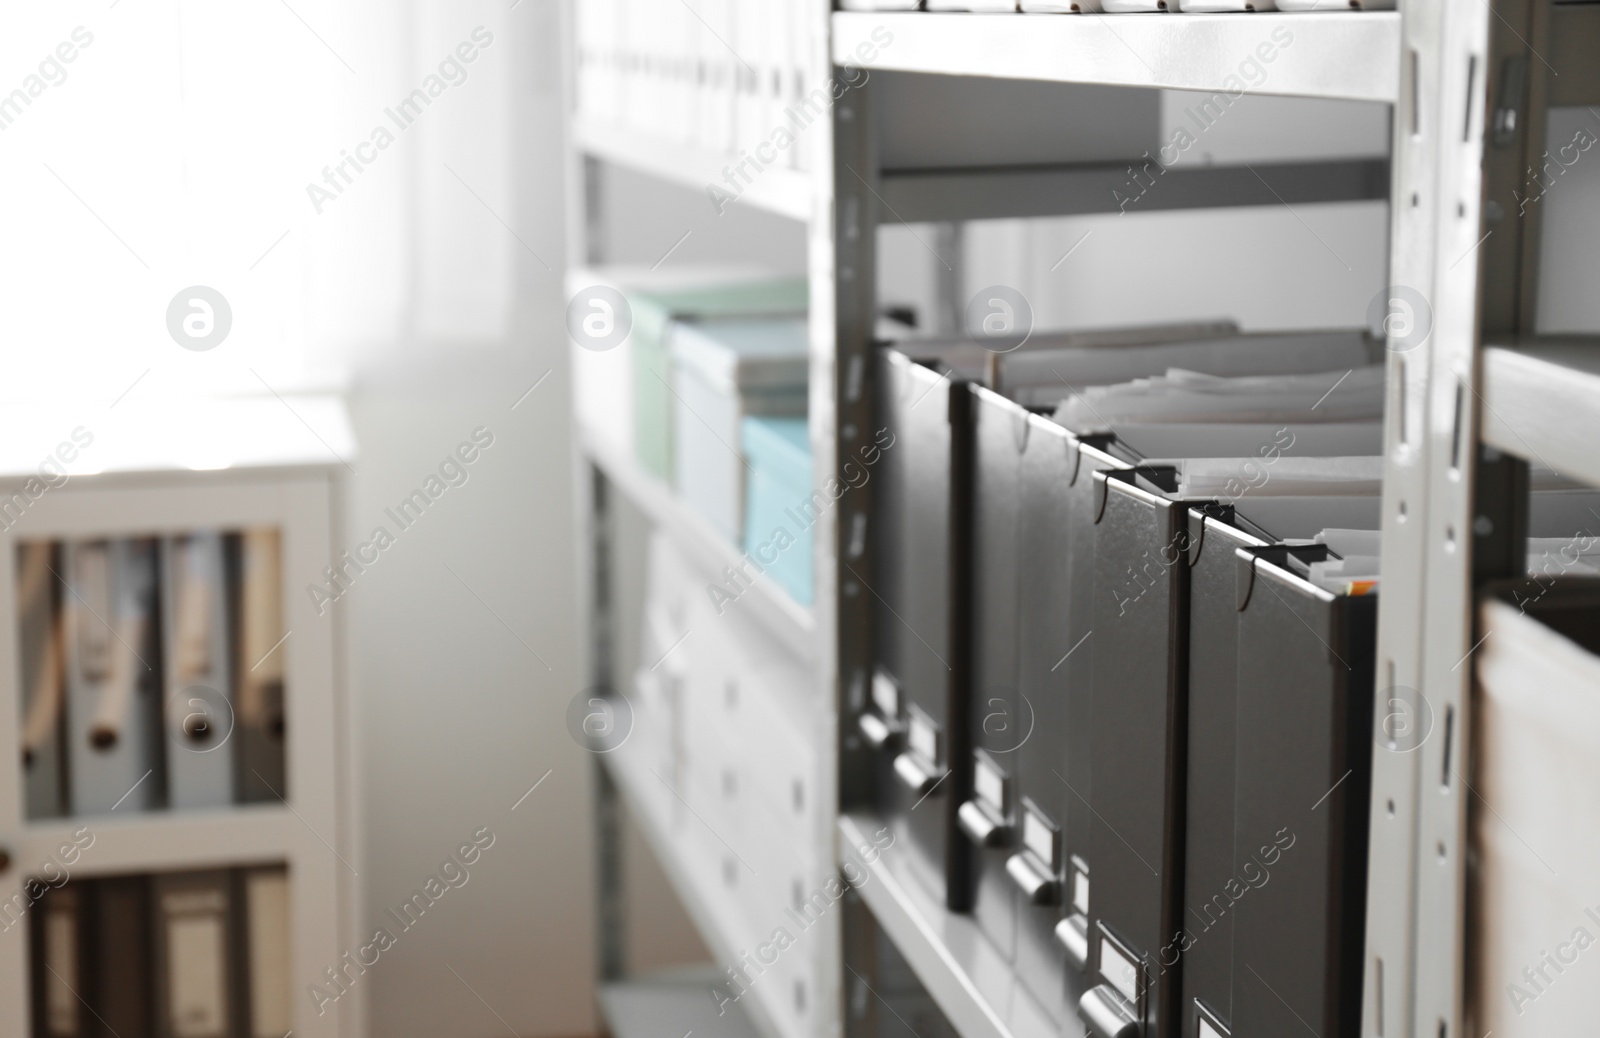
1540,404
699,911
982,997
1349,55
779,190
780,615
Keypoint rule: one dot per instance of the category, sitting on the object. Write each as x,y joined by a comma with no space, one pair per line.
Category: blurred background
411,262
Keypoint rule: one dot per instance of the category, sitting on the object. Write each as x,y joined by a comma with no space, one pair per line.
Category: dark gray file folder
1138,727
1056,550
999,721
1304,756
121,983
918,705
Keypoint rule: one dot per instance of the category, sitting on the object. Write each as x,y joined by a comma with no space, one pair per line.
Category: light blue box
777,496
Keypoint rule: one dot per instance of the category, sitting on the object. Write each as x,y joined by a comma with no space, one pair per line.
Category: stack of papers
1180,395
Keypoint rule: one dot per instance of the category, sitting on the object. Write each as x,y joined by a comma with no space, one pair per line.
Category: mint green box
777,496
654,311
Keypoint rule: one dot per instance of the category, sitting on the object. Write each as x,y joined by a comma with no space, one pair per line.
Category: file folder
261,723
194,955
113,688
1055,622
919,697
1137,725
266,897
59,960
1306,669
199,715
39,637
1001,720
121,981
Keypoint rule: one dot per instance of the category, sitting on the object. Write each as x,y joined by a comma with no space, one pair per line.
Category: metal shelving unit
1468,85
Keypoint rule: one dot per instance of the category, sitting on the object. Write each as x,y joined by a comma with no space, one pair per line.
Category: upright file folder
113,732
267,957
121,979
260,723
1141,582
194,955
199,712
59,962
39,637
1304,752
1001,719
919,697
1055,621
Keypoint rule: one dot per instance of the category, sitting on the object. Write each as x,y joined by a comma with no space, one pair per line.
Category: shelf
977,989
1541,402
786,192
669,1006
1351,55
771,606
645,794
997,194
158,841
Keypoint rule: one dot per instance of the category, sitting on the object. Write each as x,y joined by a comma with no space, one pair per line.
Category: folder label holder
1120,969
991,785
1206,1023
1080,885
922,737
1040,837
886,696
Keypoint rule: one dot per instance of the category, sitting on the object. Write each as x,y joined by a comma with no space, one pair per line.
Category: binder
1141,585
39,636
1055,621
58,957
121,978
1304,757
1001,719
194,955
198,707
919,696
113,731
260,722
267,956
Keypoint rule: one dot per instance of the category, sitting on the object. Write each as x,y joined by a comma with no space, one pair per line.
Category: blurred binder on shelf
39,637
199,706
919,699
1306,668
59,962
194,955
121,980
113,730
1000,720
267,957
260,721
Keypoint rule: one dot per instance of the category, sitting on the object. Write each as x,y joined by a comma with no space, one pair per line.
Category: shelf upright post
1416,893
851,176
